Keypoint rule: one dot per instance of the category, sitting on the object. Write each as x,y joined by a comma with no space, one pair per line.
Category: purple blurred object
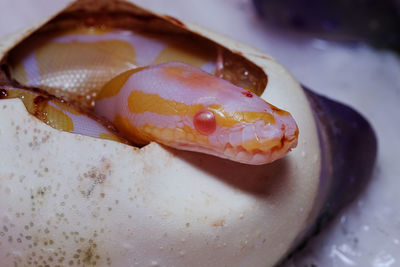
373,21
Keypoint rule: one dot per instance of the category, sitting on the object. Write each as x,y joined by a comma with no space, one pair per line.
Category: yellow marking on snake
130,131
43,110
229,119
141,135
19,73
26,97
185,52
191,79
55,113
140,102
254,145
113,87
58,119
67,107
109,136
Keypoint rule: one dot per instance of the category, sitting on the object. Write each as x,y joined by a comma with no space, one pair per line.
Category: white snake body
181,105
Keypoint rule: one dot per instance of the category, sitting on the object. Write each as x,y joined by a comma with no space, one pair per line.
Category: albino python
176,104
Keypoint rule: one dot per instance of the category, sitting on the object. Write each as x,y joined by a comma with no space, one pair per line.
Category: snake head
183,107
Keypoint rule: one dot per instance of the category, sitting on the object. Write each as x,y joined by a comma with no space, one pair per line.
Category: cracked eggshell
67,199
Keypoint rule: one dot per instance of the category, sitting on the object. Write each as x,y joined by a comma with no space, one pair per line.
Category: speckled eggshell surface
72,200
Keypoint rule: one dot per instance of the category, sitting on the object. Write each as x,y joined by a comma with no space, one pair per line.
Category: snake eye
204,122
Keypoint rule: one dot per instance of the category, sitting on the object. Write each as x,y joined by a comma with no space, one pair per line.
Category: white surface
366,79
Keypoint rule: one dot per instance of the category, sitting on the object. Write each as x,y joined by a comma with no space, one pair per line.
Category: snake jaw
249,143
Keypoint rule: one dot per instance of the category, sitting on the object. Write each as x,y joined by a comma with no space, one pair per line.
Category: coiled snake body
173,103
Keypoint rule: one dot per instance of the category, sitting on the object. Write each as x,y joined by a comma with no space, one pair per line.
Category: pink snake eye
204,122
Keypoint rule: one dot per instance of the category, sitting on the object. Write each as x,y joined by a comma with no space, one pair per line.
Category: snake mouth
258,156
253,157
239,153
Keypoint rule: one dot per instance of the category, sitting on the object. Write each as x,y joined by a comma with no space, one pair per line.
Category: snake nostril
204,122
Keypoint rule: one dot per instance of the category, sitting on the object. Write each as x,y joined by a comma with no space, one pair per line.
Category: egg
74,200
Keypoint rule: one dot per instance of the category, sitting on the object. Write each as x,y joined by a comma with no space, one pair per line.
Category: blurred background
347,50
376,22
